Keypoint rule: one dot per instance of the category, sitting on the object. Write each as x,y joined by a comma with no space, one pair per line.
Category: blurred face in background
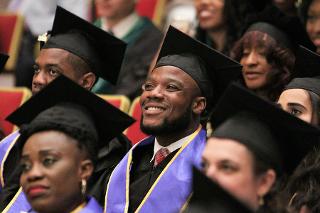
114,9
256,67
313,23
210,13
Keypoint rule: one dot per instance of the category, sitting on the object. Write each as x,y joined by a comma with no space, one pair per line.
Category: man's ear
87,80
86,169
199,105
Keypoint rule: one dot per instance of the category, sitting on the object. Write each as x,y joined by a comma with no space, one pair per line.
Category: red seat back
119,101
11,99
11,26
134,132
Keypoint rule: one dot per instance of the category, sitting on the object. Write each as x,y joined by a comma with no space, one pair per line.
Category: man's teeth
154,108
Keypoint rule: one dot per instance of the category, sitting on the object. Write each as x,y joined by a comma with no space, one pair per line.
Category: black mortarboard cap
100,50
287,30
307,63
306,71
210,69
275,136
64,104
208,196
3,60
310,84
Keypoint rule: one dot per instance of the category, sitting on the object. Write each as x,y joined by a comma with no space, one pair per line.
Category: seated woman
266,51
301,98
62,129
221,21
254,145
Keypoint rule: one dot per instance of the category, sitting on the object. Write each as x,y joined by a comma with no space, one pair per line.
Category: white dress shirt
172,147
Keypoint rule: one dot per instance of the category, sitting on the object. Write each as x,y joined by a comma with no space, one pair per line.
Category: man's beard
168,127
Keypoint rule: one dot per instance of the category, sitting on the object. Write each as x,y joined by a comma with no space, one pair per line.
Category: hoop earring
83,186
261,201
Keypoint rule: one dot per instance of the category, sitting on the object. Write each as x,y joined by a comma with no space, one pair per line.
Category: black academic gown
142,173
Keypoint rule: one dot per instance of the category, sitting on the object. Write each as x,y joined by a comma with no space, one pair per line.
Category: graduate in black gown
301,98
61,133
187,80
82,52
254,146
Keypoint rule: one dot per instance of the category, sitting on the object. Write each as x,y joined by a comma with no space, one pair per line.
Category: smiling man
186,78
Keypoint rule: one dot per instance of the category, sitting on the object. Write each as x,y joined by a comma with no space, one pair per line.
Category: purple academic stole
171,189
92,207
5,146
18,204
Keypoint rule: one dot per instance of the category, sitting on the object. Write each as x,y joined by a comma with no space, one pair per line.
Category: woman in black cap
254,145
266,51
62,129
301,98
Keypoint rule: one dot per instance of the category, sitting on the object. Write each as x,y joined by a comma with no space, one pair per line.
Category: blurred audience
182,15
289,7
310,15
221,21
143,37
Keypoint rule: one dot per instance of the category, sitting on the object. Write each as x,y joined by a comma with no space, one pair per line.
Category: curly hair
303,188
281,58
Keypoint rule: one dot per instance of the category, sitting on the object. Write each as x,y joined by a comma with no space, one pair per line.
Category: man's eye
53,72
172,88
36,69
147,87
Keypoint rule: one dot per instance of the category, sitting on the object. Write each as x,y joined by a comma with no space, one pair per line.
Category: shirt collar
172,147
123,27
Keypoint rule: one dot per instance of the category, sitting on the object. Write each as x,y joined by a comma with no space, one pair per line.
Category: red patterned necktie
160,156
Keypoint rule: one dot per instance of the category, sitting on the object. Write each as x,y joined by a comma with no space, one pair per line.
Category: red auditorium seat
119,101
11,99
11,27
134,132
153,9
